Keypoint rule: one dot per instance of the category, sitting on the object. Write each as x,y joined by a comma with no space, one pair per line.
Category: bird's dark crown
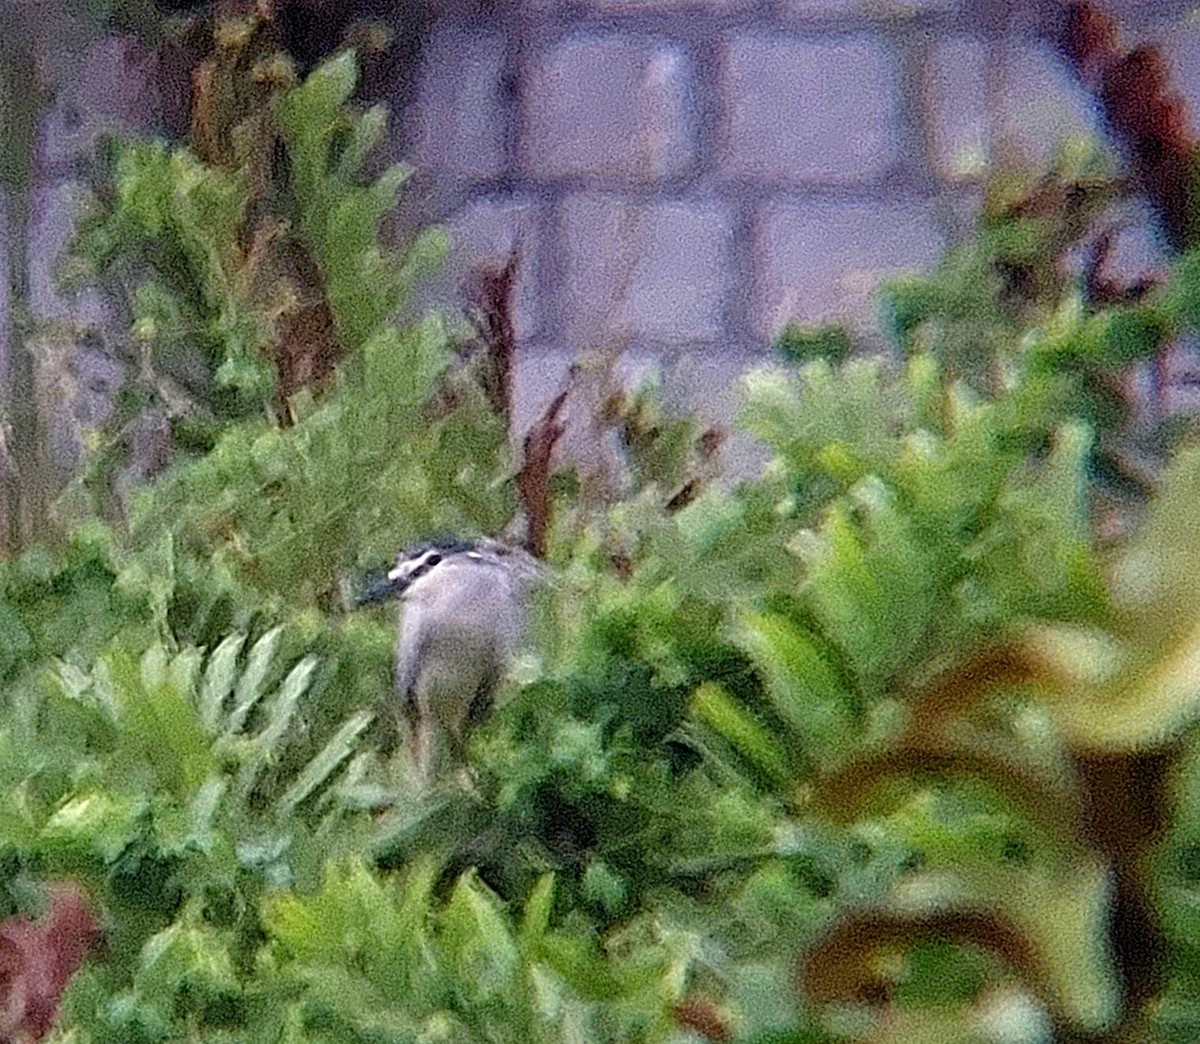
417,561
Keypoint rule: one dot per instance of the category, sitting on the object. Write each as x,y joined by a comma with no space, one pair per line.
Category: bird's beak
379,587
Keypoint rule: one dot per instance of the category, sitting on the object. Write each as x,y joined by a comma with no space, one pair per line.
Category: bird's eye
432,560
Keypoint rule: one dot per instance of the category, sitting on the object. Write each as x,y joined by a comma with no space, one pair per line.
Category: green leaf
1065,920
873,586
718,710
477,941
160,724
307,116
200,820
250,686
804,688
16,643
798,344
187,954
337,750
1149,692
603,886
100,822
282,708
1133,334
1144,704
368,133
536,919
1048,929
219,677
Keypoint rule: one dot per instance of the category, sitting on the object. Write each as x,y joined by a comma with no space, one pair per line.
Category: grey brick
823,261
54,208
541,373
76,386
800,110
1182,49
1181,371
485,231
1137,246
112,90
459,113
1132,13
608,107
956,107
655,6
538,376
55,390
704,379
823,7
97,377
76,381
672,256
1182,363
428,198
1040,104
889,8
708,382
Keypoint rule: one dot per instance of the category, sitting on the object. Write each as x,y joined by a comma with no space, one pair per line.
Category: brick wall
687,174
734,163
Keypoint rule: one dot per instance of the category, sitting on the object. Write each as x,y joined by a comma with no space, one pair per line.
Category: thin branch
533,480
492,295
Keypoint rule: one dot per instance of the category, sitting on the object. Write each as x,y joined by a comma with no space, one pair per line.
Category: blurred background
683,175
893,741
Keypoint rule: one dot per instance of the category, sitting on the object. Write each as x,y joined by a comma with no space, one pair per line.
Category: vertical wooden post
21,486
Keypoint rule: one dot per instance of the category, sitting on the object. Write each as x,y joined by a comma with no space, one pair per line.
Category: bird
463,615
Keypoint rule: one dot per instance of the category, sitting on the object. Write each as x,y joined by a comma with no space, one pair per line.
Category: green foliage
370,463
361,474
972,309
180,787
798,344
760,731
1013,302
65,601
181,219
923,495
339,216
376,960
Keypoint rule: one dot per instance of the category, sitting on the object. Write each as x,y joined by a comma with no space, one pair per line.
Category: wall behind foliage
694,172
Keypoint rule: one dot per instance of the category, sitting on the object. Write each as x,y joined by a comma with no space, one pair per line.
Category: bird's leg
457,729
423,745
482,702
391,731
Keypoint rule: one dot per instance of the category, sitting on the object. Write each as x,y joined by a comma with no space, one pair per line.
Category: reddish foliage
492,299
533,480
707,446
1134,89
843,966
306,349
239,70
1128,802
37,961
683,496
702,1017
1090,41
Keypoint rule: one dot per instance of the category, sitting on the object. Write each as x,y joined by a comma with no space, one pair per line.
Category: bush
851,750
